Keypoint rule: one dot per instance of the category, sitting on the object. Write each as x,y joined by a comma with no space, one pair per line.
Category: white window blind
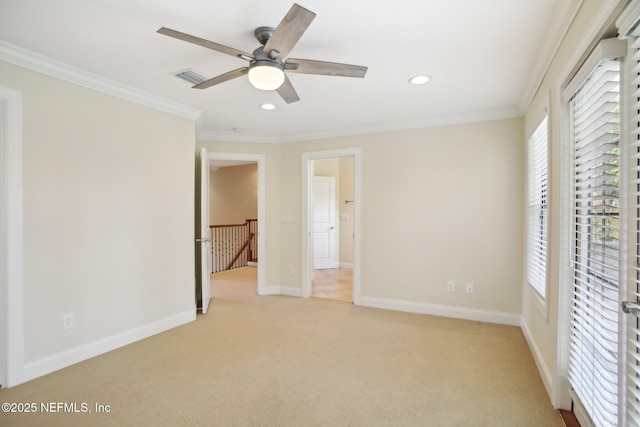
593,347
538,200
633,334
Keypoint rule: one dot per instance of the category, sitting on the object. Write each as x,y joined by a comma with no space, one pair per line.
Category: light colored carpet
285,361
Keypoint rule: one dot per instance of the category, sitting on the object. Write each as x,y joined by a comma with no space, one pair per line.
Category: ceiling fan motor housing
260,57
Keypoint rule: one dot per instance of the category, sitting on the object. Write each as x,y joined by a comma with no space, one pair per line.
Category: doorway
331,225
332,221
233,219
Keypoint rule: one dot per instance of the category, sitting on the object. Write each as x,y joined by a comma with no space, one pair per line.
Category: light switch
344,217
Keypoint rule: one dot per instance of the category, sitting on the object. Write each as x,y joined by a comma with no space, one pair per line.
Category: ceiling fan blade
205,43
222,78
308,66
287,92
289,31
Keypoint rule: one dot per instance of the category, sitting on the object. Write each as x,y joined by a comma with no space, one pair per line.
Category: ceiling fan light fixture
266,75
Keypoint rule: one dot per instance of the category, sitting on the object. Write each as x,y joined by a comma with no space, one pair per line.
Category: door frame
307,216
204,234
260,159
11,218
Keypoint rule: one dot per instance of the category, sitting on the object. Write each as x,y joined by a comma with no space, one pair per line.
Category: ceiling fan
268,63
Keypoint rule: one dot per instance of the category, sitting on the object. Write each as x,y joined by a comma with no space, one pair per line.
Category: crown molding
50,67
235,137
438,121
365,130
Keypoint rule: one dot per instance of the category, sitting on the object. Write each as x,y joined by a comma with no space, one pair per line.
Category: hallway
333,283
237,282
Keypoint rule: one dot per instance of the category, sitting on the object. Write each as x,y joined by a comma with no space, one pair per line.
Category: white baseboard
543,369
511,319
75,355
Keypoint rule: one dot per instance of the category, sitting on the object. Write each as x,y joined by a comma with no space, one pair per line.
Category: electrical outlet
451,286
292,271
67,321
469,288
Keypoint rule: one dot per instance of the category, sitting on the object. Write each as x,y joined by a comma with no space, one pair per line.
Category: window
538,199
595,250
633,282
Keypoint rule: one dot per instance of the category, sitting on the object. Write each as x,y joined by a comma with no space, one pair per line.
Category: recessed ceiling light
419,80
268,107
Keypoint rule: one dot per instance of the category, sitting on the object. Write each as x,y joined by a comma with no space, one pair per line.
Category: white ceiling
485,58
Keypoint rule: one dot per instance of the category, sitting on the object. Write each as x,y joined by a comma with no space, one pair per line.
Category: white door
204,239
325,254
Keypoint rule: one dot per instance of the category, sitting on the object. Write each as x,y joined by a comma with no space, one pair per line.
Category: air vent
190,76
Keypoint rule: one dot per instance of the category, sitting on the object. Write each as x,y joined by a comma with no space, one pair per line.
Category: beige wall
438,204
233,194
108,216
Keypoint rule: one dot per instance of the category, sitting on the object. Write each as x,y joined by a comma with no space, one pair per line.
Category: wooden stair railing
240,252
233,244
